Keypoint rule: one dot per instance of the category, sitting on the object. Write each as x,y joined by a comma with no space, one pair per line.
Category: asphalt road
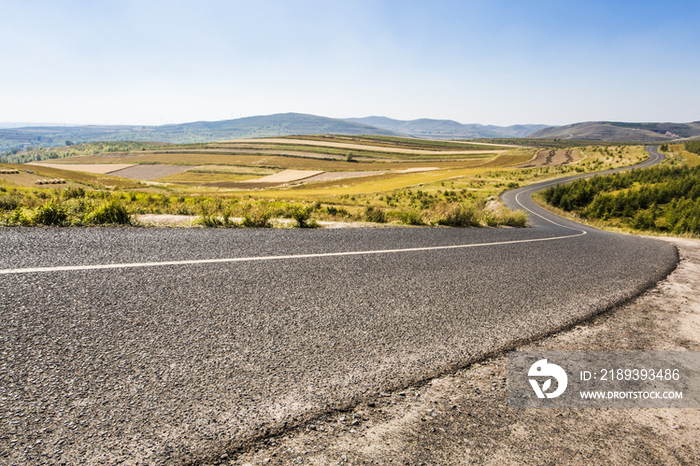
172,346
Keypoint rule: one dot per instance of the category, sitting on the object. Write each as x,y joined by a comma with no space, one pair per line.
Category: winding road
178,346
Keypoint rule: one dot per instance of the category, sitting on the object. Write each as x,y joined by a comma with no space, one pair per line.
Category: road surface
176,346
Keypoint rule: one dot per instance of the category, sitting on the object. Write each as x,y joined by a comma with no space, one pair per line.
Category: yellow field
196,178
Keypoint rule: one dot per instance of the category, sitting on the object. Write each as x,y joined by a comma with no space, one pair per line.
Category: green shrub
693,146
19,217
73,193
109,213
412,217
183,209
9,202
227,222
459,216
302,214
50,214
257,219
504,217
489,218
516,218
207,220
375,215
644,220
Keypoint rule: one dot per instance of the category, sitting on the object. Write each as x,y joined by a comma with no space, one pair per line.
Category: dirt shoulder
464,418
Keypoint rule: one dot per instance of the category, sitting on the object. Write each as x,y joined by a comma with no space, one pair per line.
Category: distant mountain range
448,129
298,124
201,131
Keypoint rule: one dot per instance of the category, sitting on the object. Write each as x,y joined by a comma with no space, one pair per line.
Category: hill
621,132
448,129
201,131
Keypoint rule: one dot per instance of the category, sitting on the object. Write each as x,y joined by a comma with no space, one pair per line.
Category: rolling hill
286,124
622,132
448,129
200,131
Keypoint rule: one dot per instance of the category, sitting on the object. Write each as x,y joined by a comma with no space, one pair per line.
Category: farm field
102,169
149,172
553,158
387,146
381,179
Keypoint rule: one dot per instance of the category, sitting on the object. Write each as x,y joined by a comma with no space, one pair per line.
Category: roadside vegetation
658,199
80,207
70,207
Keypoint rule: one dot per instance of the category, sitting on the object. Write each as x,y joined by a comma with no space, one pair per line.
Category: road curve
520,198
177,346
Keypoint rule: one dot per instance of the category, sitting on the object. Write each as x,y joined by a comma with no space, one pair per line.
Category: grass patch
111,212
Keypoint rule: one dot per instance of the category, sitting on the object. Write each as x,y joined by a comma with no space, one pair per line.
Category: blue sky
490,62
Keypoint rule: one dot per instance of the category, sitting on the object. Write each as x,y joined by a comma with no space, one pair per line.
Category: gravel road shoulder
464,418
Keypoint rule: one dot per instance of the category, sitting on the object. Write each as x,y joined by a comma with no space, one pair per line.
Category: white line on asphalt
71,268
542,217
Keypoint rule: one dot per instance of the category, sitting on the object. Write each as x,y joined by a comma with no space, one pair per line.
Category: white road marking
70,268
542,217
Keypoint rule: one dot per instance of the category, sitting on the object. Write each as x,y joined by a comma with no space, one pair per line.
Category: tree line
665,198
693,146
